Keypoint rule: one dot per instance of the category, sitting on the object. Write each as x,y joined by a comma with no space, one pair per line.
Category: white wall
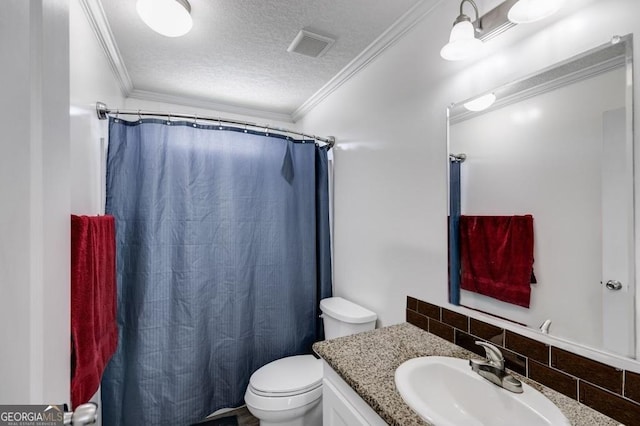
34,218
390,161
91,80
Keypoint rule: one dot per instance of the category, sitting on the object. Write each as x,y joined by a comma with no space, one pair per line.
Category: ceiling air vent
310,44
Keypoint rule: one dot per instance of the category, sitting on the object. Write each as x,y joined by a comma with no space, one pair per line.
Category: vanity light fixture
467,37
171,18
463,43
480,103
527,11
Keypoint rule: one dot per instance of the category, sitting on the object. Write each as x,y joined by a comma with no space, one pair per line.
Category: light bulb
463,43
480,103
171,18
527,11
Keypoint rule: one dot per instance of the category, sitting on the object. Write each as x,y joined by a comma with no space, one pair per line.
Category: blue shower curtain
222,257
455,207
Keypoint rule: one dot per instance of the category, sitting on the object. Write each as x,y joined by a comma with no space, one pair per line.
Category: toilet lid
287,376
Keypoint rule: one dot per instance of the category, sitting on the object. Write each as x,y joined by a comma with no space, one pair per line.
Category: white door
618,288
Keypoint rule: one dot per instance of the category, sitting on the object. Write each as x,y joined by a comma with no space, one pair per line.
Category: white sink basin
445,392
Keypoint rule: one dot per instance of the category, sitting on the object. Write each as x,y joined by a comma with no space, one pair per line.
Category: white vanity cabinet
342,406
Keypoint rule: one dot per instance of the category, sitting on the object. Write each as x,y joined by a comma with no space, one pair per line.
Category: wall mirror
541,191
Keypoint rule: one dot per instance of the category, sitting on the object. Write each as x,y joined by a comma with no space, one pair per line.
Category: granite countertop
367,362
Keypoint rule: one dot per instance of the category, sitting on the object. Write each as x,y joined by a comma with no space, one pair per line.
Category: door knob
613,285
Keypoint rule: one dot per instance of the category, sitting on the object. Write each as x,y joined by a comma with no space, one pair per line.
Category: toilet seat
289,376
285,394
282,403
286,384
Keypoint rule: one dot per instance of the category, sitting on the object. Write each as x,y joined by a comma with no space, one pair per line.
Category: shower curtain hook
266,131
195,121
117,116
169,120
245,127
219,124
139,116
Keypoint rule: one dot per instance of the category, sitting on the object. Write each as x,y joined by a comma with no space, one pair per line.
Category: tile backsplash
609,390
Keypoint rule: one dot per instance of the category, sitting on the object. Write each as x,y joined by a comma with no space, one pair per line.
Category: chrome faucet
492,369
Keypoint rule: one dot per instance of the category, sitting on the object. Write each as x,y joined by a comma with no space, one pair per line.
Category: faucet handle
493,354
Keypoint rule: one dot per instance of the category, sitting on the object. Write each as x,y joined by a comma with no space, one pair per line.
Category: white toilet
288,391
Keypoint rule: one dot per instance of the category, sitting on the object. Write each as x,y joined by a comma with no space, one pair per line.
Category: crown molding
148,95
100,25
387,39
98,21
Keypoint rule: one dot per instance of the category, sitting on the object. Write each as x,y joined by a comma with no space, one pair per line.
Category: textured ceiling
236,53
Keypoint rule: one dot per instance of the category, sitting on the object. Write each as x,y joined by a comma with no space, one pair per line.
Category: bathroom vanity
359,386
342,406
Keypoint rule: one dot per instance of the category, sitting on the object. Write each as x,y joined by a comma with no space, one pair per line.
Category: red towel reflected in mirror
496,254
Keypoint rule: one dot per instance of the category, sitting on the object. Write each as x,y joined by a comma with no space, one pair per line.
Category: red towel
94,331
496,255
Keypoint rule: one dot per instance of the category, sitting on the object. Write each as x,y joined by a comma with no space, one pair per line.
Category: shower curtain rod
103,113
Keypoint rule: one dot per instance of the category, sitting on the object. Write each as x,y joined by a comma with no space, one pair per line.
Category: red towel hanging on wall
496,254
94,331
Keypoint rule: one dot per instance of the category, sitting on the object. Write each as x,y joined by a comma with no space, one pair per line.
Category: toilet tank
342,317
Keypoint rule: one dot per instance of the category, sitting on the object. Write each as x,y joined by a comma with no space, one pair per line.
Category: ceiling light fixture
480,103
171,18
463,43
527,11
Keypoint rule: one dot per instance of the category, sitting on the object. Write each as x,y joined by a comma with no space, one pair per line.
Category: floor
244,417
